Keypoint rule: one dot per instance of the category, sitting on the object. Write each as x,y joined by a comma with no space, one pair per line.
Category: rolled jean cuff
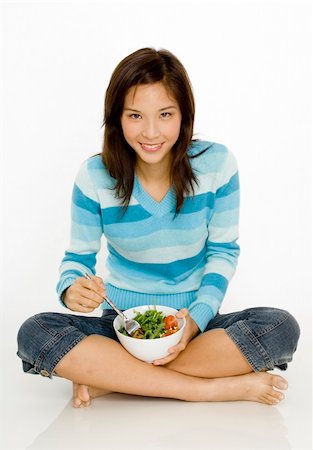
250,346
55,349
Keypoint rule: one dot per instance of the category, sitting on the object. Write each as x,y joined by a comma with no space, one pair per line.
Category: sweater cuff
67,282
201,313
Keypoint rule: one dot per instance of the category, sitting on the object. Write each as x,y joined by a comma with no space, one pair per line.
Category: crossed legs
211,368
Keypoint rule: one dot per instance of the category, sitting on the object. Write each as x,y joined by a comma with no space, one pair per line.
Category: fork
130,325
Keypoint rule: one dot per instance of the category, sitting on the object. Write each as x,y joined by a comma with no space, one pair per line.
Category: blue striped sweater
153,256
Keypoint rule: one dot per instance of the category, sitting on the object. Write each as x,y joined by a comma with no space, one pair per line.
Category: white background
250,65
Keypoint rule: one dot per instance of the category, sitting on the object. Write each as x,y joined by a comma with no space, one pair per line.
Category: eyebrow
162,109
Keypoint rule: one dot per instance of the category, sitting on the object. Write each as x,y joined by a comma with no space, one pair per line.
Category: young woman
168,207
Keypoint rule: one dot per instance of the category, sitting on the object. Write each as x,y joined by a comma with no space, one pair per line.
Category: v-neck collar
165,206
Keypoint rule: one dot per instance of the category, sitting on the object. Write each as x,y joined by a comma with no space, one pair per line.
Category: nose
150,130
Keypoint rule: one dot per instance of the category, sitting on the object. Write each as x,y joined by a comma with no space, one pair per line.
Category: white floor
37,414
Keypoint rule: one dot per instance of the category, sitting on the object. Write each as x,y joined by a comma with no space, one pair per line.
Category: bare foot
260,387
82,394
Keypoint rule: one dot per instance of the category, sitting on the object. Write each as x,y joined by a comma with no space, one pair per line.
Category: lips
151,147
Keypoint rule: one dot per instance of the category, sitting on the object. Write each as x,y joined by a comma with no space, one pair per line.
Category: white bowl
149,350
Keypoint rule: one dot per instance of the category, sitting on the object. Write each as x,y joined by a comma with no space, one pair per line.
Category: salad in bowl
159,330
154,324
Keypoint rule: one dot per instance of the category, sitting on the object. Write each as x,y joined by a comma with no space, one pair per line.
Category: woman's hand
84,295
191,330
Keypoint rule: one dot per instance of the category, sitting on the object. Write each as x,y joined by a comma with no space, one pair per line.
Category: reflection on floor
119,421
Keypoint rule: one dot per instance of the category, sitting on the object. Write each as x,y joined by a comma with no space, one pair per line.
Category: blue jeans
267,337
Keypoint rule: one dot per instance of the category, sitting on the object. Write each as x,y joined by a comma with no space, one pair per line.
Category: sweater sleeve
222,250
86,232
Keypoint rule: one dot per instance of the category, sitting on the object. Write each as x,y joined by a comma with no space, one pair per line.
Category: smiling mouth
151,147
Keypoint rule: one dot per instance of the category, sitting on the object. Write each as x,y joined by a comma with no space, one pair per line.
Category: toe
274,397
274,400
81,397
83,393
76,399
77,402
280,382
278,395
267,400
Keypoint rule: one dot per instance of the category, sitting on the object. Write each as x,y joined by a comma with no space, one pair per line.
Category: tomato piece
170,322
169,332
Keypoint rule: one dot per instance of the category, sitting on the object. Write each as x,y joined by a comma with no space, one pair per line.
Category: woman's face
151,121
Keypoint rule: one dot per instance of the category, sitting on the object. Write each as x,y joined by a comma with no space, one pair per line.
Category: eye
135,116
165,115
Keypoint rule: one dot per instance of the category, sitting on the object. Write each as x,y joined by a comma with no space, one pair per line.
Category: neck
154,181
153,173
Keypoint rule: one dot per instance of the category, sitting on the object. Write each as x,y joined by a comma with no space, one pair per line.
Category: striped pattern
155,257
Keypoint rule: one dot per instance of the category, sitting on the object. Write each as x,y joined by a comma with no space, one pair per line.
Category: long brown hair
147,66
